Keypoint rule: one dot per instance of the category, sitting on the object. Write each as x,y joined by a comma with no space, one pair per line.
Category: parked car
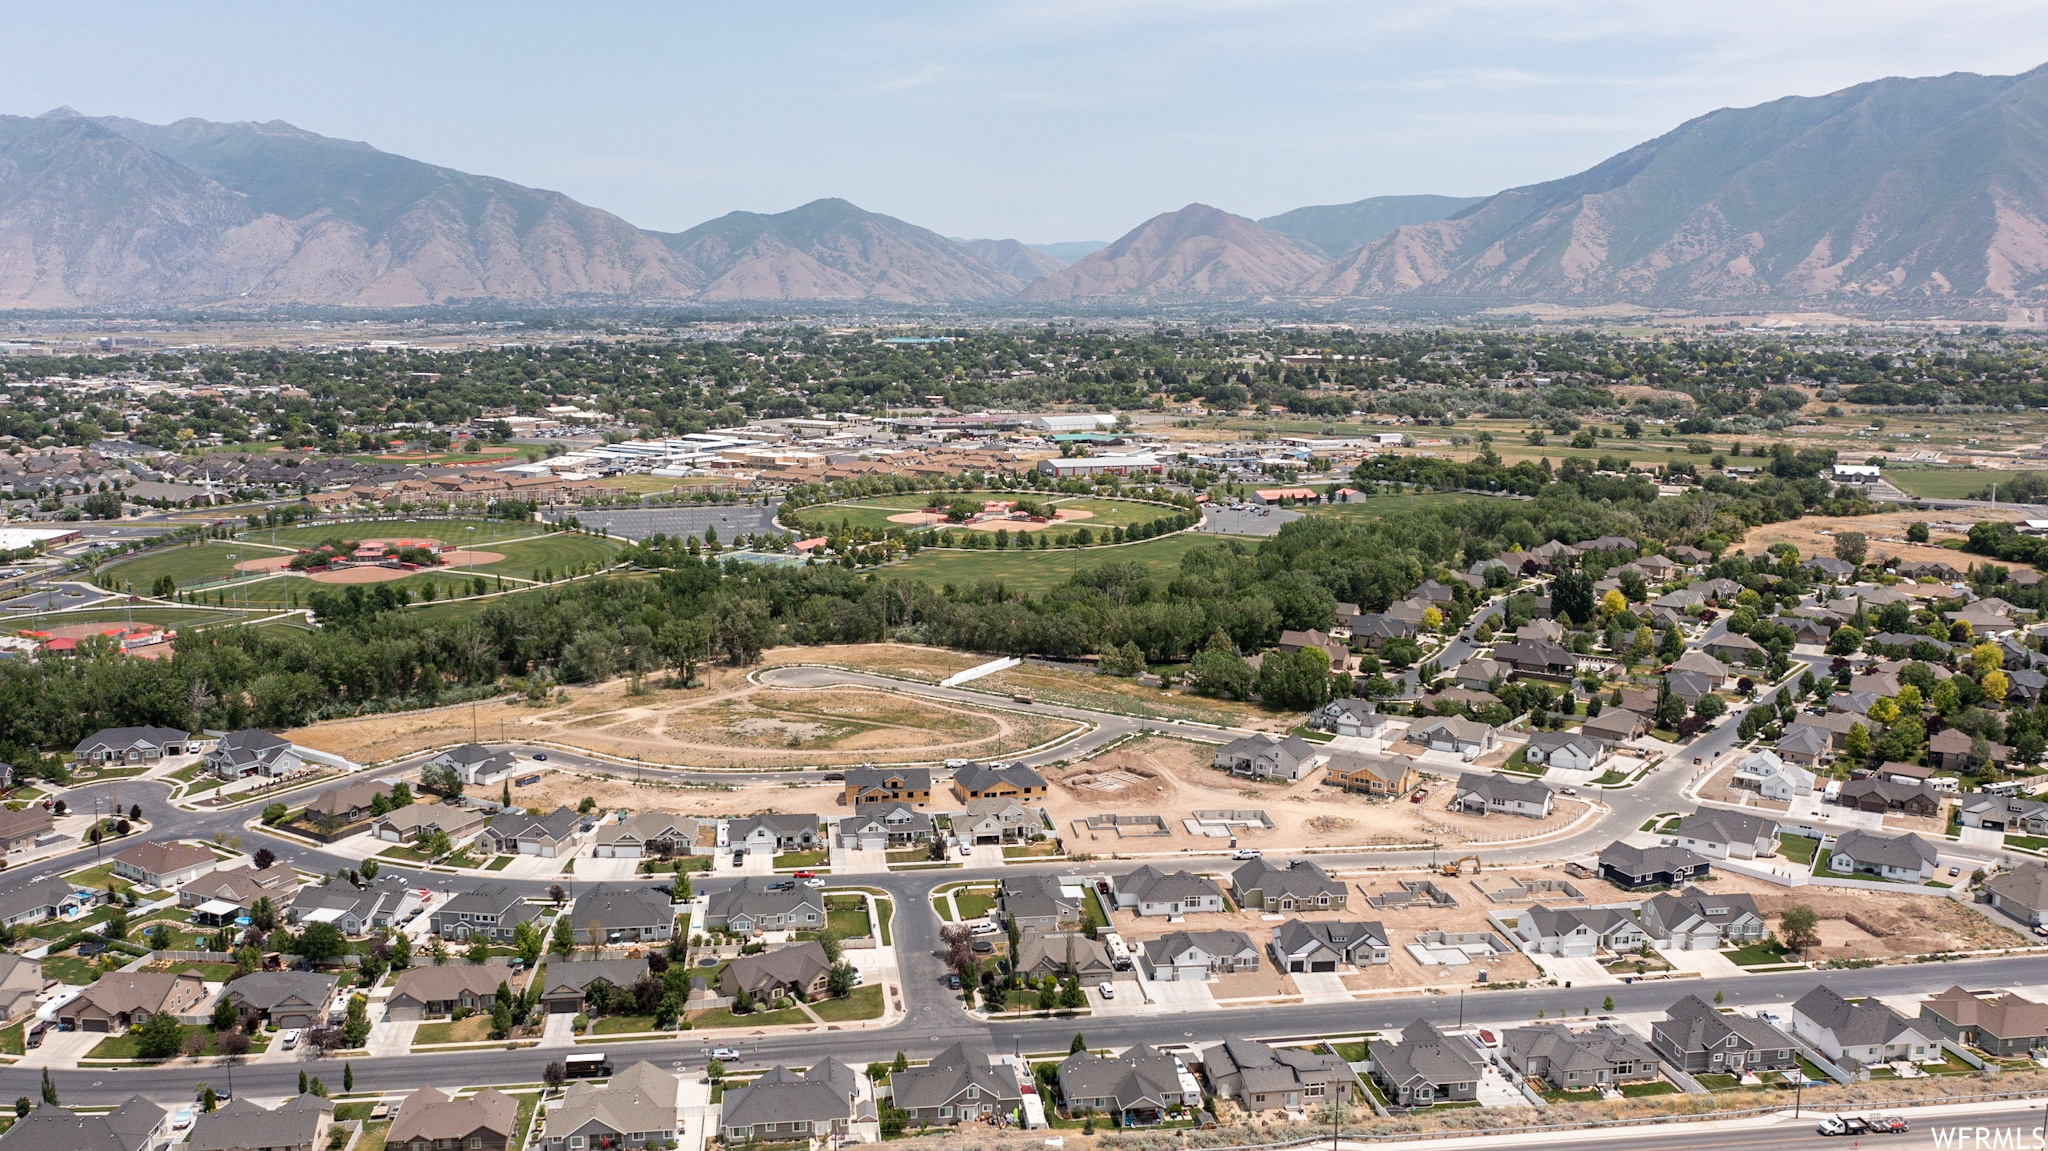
739,857
1245,853
1418,797
1106,989
806,874
953,981
290,1037
814,882
986,928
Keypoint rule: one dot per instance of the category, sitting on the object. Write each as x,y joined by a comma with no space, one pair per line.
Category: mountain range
1930,190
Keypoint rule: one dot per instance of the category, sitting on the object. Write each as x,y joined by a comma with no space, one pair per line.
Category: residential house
996,781
1727,834
1568,1060
1299,886
410,823
2006,813
1425,1067
21,984
1479,673
773,833
1950,749
253,751
1292,641
1576,932
1262,1078
959,1085
1454,734
1696,920
1264,756
1040,902
1543,630
1699,1039
1862,1031
1802,744
1772,777
493,911
997,820
636,1108
282,999
1702,664
429,1120
356,910
297,1124
119,1000
896,785
1135,1089
1195,955
478,765
136,1125
1329,944
1874,794
1809,632
1376,629
1373,774
1356,717
1537,657
1634,868
625,914
225,894
164,864
1155,892
146,745
881,826
337,807
1062,953
799,971
1616,725
1907,858
24,829
425,991
1731,648
2021,893
1911,773
2003,1024
1483,794
659,834
755,904
785,1107
566,990
549,836
1568,749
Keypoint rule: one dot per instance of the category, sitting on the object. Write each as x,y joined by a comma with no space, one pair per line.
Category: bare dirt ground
1885,533
1083,688
1718,789
1173,778
729,722
1059,517
908,661
619,790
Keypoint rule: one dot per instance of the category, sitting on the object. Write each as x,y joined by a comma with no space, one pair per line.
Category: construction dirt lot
1885,535
728,722
1173,778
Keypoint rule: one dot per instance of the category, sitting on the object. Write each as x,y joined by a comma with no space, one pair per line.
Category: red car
1418,797
806,875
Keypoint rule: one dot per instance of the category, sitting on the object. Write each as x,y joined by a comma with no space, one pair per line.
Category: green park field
1035,572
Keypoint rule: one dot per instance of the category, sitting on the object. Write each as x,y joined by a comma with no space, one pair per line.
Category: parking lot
731,520
1247,520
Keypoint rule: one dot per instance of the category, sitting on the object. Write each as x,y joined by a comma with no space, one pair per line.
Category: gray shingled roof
241,1124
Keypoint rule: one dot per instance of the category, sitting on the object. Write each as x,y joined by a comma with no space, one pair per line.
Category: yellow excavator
1457,866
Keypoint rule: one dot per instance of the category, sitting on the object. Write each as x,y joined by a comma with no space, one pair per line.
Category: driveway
1980,837
559,1030
61,1049
1177,995
1710,964
591,868
1496,1091
986,855
389,1038
1321,987
1581,971
854,861
1129,1000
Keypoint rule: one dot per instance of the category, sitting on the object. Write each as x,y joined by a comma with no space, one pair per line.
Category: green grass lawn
974,904
803,859
1757,954
202,563
1377,507
70,969
863,1003
1645,1090
97,877
888,908
723,1017
470,1030
910,855
874,511
559,550
621,1024
847,915
1945,483
2027,842
12,1042
447,531
1718,1081
1350,1052
1588,1096
124,1046
1035,572
1093,908
176,618
1798,848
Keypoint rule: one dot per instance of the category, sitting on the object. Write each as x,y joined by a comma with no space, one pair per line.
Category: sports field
1948,483
875,512
560,551
202,563
447,531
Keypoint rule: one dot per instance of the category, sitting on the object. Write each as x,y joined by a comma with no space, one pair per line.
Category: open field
1886,533
880,513
730,722
211,560
1938,483
451,531
1081,687
169,617
1036,572
559,551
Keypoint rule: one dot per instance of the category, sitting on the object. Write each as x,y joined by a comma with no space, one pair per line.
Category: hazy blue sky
1046,121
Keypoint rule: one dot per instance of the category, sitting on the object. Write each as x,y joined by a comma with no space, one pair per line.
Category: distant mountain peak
62,112
1197,253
